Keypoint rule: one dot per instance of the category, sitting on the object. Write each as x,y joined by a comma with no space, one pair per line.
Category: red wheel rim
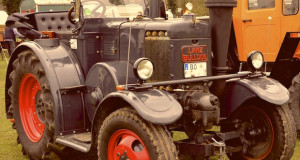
31,120
124,144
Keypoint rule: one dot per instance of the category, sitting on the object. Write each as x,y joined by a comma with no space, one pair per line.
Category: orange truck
271,27
2,27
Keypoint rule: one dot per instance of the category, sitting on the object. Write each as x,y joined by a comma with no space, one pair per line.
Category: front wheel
267,132
125,135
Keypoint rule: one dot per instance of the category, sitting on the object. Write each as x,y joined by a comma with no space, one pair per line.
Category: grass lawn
10,150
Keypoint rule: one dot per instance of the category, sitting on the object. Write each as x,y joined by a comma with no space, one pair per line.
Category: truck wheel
32,105
267,132
125,135
294,100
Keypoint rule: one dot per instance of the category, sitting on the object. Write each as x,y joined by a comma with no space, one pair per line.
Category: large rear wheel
267,132
32,105
125,135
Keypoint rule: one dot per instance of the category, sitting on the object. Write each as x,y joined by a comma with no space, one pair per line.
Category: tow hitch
209,144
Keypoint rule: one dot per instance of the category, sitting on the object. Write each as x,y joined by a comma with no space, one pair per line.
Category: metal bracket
220,149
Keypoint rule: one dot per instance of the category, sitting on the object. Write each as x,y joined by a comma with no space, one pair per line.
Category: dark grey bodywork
83,81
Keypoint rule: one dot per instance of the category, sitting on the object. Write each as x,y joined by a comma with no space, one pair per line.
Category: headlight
143,68
255,60
189,6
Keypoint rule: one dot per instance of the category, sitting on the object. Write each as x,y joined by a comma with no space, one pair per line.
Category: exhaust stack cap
220,3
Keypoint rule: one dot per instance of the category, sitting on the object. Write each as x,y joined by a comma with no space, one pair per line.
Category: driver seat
54,22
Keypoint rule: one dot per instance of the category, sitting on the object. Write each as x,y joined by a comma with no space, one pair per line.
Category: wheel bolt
125,152
118,154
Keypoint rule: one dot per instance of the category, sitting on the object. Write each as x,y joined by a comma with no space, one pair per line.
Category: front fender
155,106
239,91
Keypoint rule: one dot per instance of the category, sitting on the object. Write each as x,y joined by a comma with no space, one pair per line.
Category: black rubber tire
294,102
28,62
157,139
284,131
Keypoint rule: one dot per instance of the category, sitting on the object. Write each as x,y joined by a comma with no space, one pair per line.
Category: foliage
198,6
172,5
11,6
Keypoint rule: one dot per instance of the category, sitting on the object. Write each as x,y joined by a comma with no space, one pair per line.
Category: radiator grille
158,50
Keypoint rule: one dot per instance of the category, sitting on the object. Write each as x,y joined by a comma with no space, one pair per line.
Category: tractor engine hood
167,44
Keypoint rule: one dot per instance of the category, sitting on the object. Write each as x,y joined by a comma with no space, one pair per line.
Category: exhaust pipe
220,13
154,8
157,9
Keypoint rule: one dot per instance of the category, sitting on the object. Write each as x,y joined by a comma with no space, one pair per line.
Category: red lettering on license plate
194,54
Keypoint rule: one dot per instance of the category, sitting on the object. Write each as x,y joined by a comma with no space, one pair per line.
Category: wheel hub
253,134
258,136
126,145
124,156
31,107
39,106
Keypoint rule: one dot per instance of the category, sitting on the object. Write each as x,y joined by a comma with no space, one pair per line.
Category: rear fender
155,106
64,76
239,91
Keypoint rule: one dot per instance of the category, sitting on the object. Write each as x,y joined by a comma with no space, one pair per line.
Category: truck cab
262,25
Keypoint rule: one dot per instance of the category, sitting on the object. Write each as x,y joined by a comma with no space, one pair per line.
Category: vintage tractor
117,78
270,27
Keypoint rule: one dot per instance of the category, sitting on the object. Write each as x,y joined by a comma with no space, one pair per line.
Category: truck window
260,4
290,7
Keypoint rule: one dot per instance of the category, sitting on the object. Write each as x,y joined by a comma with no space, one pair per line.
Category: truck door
260,28
289,20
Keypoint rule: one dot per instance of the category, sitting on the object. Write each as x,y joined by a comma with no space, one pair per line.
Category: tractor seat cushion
56,22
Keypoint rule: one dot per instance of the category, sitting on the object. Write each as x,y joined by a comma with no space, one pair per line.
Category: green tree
172,5
198,6
11,6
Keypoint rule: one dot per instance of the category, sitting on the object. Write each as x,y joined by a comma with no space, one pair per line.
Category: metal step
80,142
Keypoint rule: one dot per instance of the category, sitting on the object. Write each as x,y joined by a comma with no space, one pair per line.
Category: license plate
195,69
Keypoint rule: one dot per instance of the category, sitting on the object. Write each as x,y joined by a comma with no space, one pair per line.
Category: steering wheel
94,14
99,4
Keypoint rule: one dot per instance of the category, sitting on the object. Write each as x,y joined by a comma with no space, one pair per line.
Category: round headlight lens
143,68
189,6
256,60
